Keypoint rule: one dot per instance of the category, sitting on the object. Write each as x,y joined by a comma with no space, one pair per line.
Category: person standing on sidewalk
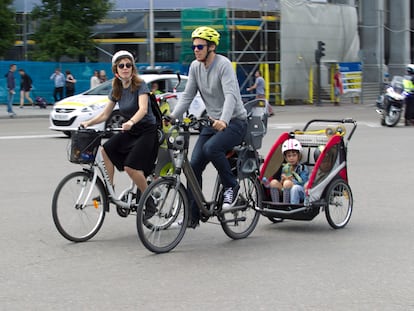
25,88
95,81
70,84
59,81
259,86
11,86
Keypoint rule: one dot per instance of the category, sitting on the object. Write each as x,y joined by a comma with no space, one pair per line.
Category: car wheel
67,133
115,120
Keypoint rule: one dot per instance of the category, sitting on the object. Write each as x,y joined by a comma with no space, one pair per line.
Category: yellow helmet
206,33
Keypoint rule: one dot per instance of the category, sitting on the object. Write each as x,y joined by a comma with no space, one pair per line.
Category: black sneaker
150,208
230,196
192,223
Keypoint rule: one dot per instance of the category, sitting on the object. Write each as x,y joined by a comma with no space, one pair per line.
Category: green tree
64,27
8,26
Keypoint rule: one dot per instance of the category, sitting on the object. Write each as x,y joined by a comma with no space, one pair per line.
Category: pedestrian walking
259,86
26,85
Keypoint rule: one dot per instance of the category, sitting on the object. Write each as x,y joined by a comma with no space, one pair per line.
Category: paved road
288,266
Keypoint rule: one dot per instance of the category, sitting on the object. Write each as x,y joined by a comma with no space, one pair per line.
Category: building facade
251,32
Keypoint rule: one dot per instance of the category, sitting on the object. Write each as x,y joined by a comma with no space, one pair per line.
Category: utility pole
319,53
151,34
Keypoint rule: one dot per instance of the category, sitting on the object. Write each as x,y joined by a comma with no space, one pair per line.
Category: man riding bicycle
213,76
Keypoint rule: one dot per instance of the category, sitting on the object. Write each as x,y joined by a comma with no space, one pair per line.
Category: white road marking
30,136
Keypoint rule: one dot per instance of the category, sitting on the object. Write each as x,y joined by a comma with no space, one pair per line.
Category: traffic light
321,48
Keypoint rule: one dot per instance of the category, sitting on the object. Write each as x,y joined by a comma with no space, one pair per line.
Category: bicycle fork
83,189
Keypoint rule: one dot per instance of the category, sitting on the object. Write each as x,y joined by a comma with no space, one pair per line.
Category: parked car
68,113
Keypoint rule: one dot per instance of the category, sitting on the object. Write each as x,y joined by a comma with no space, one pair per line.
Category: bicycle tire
240,224
161,230
76,221
340,204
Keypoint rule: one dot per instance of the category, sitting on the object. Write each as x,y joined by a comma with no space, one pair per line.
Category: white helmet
410,69
291,144
121,54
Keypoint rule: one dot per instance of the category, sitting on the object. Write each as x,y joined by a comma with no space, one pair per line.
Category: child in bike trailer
213,76
135,148
294,175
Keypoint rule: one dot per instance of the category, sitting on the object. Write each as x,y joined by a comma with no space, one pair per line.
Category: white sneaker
179,223
229,197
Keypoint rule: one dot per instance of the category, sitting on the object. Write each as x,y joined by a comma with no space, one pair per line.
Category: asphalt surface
287,266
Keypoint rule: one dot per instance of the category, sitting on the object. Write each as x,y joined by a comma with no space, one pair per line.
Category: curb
27,112
21,116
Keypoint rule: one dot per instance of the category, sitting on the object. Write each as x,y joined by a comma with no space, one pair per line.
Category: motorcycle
390,104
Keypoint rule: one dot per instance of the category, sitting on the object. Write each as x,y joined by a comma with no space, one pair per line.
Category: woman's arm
140,114
103,116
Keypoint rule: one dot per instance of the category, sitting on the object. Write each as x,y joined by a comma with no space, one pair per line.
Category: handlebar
107,130
188,122
343,121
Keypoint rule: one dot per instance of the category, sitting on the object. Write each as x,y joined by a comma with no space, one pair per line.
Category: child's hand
285,177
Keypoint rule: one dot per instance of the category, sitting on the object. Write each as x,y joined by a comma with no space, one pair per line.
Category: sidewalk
26,112
36,112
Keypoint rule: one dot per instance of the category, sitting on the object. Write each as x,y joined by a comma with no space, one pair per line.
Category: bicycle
160,232
82,198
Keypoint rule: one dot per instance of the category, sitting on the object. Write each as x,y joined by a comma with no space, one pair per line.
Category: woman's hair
117,83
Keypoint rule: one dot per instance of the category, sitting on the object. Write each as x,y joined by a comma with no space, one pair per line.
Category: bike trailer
324,153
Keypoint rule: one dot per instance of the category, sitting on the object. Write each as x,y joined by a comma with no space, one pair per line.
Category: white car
68,113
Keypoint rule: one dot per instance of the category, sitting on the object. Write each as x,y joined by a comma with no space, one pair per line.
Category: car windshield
167,84
102,89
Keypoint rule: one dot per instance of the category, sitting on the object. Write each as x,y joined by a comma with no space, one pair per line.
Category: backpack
41,102
158,116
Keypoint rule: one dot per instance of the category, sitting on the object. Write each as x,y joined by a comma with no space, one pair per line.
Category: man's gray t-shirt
260,86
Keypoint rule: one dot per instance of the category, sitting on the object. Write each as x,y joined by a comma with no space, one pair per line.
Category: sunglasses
198,46
128,65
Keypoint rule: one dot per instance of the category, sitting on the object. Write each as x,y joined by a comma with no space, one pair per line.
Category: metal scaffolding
255,45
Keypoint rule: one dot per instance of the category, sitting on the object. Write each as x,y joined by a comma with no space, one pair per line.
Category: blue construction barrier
40,73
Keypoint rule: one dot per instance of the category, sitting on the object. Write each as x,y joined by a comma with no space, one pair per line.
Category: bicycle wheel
162,215
239,223
78,206
340,204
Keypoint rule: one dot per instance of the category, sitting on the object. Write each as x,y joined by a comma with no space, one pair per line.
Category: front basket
84,145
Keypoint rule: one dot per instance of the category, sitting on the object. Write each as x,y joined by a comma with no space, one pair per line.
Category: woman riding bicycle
135,148
213,76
